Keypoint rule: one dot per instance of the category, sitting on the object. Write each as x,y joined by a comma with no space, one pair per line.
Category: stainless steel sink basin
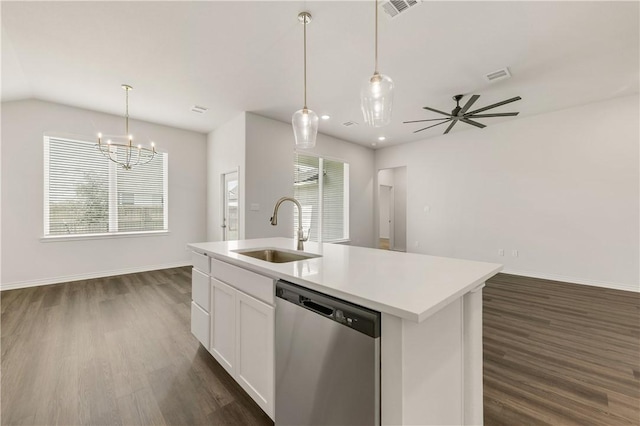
277,256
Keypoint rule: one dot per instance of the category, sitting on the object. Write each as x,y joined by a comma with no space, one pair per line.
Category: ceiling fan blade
473,123
430,119
450,126
498,114
471,101
508,101
438,111
432,126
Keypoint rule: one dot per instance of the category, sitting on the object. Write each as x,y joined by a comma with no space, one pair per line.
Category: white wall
384,197
225,153
269,176
28,261
562,188
400,209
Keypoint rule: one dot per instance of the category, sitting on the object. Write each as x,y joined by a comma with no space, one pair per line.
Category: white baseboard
574,280
102,274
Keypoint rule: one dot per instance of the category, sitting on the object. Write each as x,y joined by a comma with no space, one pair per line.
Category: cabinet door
223,327
255,350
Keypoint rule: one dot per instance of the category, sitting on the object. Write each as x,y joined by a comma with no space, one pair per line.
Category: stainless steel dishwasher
327,360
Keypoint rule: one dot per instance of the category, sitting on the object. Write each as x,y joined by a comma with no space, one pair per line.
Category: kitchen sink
276,256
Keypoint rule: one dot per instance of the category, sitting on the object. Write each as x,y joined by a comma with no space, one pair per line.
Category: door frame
390,213
223,204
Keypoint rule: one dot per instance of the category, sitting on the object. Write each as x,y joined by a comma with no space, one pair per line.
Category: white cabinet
200,289
200,298
233,316
223,327
200,323
255,350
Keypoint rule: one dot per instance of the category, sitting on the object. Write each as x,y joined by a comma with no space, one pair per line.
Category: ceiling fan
461,114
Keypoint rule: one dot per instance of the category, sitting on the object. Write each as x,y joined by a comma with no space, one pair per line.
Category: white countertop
408,285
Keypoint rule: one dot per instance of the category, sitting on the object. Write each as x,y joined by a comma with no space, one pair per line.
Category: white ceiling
247,56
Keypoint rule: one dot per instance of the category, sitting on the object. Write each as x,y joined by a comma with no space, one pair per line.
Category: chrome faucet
274,219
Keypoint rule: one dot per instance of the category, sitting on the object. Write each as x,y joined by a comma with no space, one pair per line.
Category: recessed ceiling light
325,117
381,138
373,144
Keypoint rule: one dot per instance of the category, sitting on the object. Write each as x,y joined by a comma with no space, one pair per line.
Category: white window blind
86,194
324,197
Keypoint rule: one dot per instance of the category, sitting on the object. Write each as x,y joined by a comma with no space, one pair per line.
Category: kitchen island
431,307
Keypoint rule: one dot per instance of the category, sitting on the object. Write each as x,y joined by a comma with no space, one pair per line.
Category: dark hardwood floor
113,351
118,351
560,354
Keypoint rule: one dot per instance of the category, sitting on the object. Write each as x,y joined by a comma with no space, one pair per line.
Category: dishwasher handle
316,307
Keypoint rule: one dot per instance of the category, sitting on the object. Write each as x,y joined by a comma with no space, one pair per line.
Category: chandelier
121,150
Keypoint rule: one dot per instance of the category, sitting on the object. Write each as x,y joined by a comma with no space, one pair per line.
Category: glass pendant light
305,121
376,97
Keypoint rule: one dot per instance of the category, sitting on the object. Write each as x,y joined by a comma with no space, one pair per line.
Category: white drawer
200,262
200,289
253,284
200,323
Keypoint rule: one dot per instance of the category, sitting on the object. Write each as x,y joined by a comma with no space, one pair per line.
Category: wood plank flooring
113,351
560,354
118,351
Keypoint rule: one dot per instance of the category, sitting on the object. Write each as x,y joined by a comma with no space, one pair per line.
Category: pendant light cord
305,62
376,55
126,115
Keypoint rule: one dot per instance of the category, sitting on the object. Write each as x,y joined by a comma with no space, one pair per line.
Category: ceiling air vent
394,8
199,109
349,123
501,74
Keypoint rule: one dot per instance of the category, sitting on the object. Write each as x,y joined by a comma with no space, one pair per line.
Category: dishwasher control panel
351,315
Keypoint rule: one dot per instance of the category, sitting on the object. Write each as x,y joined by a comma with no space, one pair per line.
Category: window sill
344,241
80,237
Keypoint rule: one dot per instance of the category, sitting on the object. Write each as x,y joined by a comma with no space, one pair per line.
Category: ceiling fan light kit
463,114
305,121
123,152
376,96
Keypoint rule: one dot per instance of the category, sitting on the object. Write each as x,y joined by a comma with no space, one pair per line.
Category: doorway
230,212
392,209
385,240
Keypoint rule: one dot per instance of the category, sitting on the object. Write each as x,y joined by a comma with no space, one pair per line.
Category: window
324,197
86,194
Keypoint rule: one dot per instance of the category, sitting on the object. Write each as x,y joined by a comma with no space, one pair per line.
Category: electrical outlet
500,252
514,253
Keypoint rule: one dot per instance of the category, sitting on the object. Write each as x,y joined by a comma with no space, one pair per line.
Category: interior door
230,210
